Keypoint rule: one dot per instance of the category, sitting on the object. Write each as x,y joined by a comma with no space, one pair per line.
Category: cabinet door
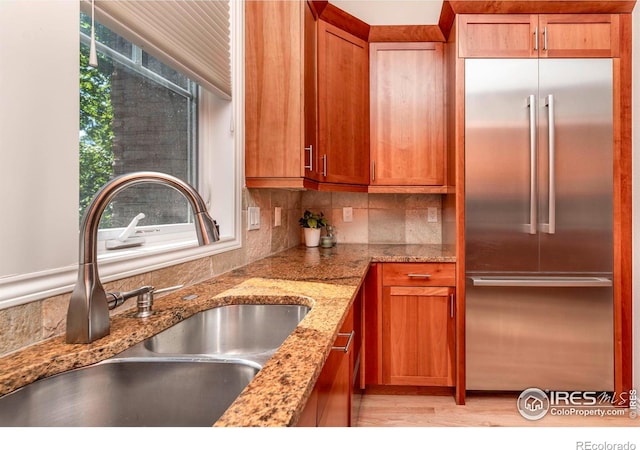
336,409
310,94
334,383
418,336
280,94
580,36
407,114
372,327
273,87
343,100
498,36
309,416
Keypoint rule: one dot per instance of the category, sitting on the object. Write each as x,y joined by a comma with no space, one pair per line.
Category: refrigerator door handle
533,152
550,227
542,281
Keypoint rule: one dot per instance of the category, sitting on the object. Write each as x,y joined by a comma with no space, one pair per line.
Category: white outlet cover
432,215
347,214
253,218
277,216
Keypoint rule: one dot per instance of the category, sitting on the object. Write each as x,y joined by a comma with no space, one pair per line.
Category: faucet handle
115,299
145,300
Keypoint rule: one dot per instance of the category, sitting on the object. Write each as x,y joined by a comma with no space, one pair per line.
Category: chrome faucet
88,313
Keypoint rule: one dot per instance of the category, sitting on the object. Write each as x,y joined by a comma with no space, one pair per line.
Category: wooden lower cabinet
334,391
330,403
418,336
409,325
309,416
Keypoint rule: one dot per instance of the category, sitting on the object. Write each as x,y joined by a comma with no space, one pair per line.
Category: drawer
419,274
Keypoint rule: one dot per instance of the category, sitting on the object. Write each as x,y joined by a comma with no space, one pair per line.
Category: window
136,113
40,131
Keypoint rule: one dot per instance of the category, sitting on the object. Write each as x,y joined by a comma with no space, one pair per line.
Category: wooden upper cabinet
497,36
310,158
407,114
538,36
580,35
280,93
343,105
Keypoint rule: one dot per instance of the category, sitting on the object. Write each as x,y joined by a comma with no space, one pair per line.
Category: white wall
39,72
636,196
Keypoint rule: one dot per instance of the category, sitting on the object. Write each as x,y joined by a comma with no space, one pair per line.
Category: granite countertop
325,279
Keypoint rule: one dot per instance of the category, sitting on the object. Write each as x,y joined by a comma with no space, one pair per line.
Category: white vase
312,237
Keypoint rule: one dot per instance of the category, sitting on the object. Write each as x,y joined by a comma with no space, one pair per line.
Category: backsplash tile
377,219
419,231
20,326
387,226
54,315
356,232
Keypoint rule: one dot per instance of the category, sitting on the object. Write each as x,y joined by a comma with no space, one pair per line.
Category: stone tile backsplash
377,219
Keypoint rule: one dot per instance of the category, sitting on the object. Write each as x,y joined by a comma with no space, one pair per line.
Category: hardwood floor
382,410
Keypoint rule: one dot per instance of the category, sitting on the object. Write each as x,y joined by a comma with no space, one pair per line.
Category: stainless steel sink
241,331
136,393
187,375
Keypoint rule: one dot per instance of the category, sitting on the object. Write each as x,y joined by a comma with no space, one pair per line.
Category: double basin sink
187,375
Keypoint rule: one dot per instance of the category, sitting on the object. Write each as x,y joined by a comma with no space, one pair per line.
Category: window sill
21,289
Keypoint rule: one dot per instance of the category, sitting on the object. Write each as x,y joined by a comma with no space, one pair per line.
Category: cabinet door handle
419,275
348,346
310,150
451,302
544,39
373,171
535,39
324,165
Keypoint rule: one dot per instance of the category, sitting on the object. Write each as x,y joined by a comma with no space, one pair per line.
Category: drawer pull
419,275
348,346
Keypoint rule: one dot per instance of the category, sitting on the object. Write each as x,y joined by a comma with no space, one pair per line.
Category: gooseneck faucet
88,313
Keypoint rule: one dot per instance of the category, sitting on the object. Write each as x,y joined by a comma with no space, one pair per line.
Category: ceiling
392,12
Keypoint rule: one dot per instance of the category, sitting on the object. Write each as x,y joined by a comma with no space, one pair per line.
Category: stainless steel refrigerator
538,224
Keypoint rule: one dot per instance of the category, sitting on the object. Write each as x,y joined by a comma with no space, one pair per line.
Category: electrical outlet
277,217
347,214
253,218
432,215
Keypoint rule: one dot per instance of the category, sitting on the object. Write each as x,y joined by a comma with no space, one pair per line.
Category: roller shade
192,36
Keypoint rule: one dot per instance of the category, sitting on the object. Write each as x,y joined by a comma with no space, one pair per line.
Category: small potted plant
312,224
